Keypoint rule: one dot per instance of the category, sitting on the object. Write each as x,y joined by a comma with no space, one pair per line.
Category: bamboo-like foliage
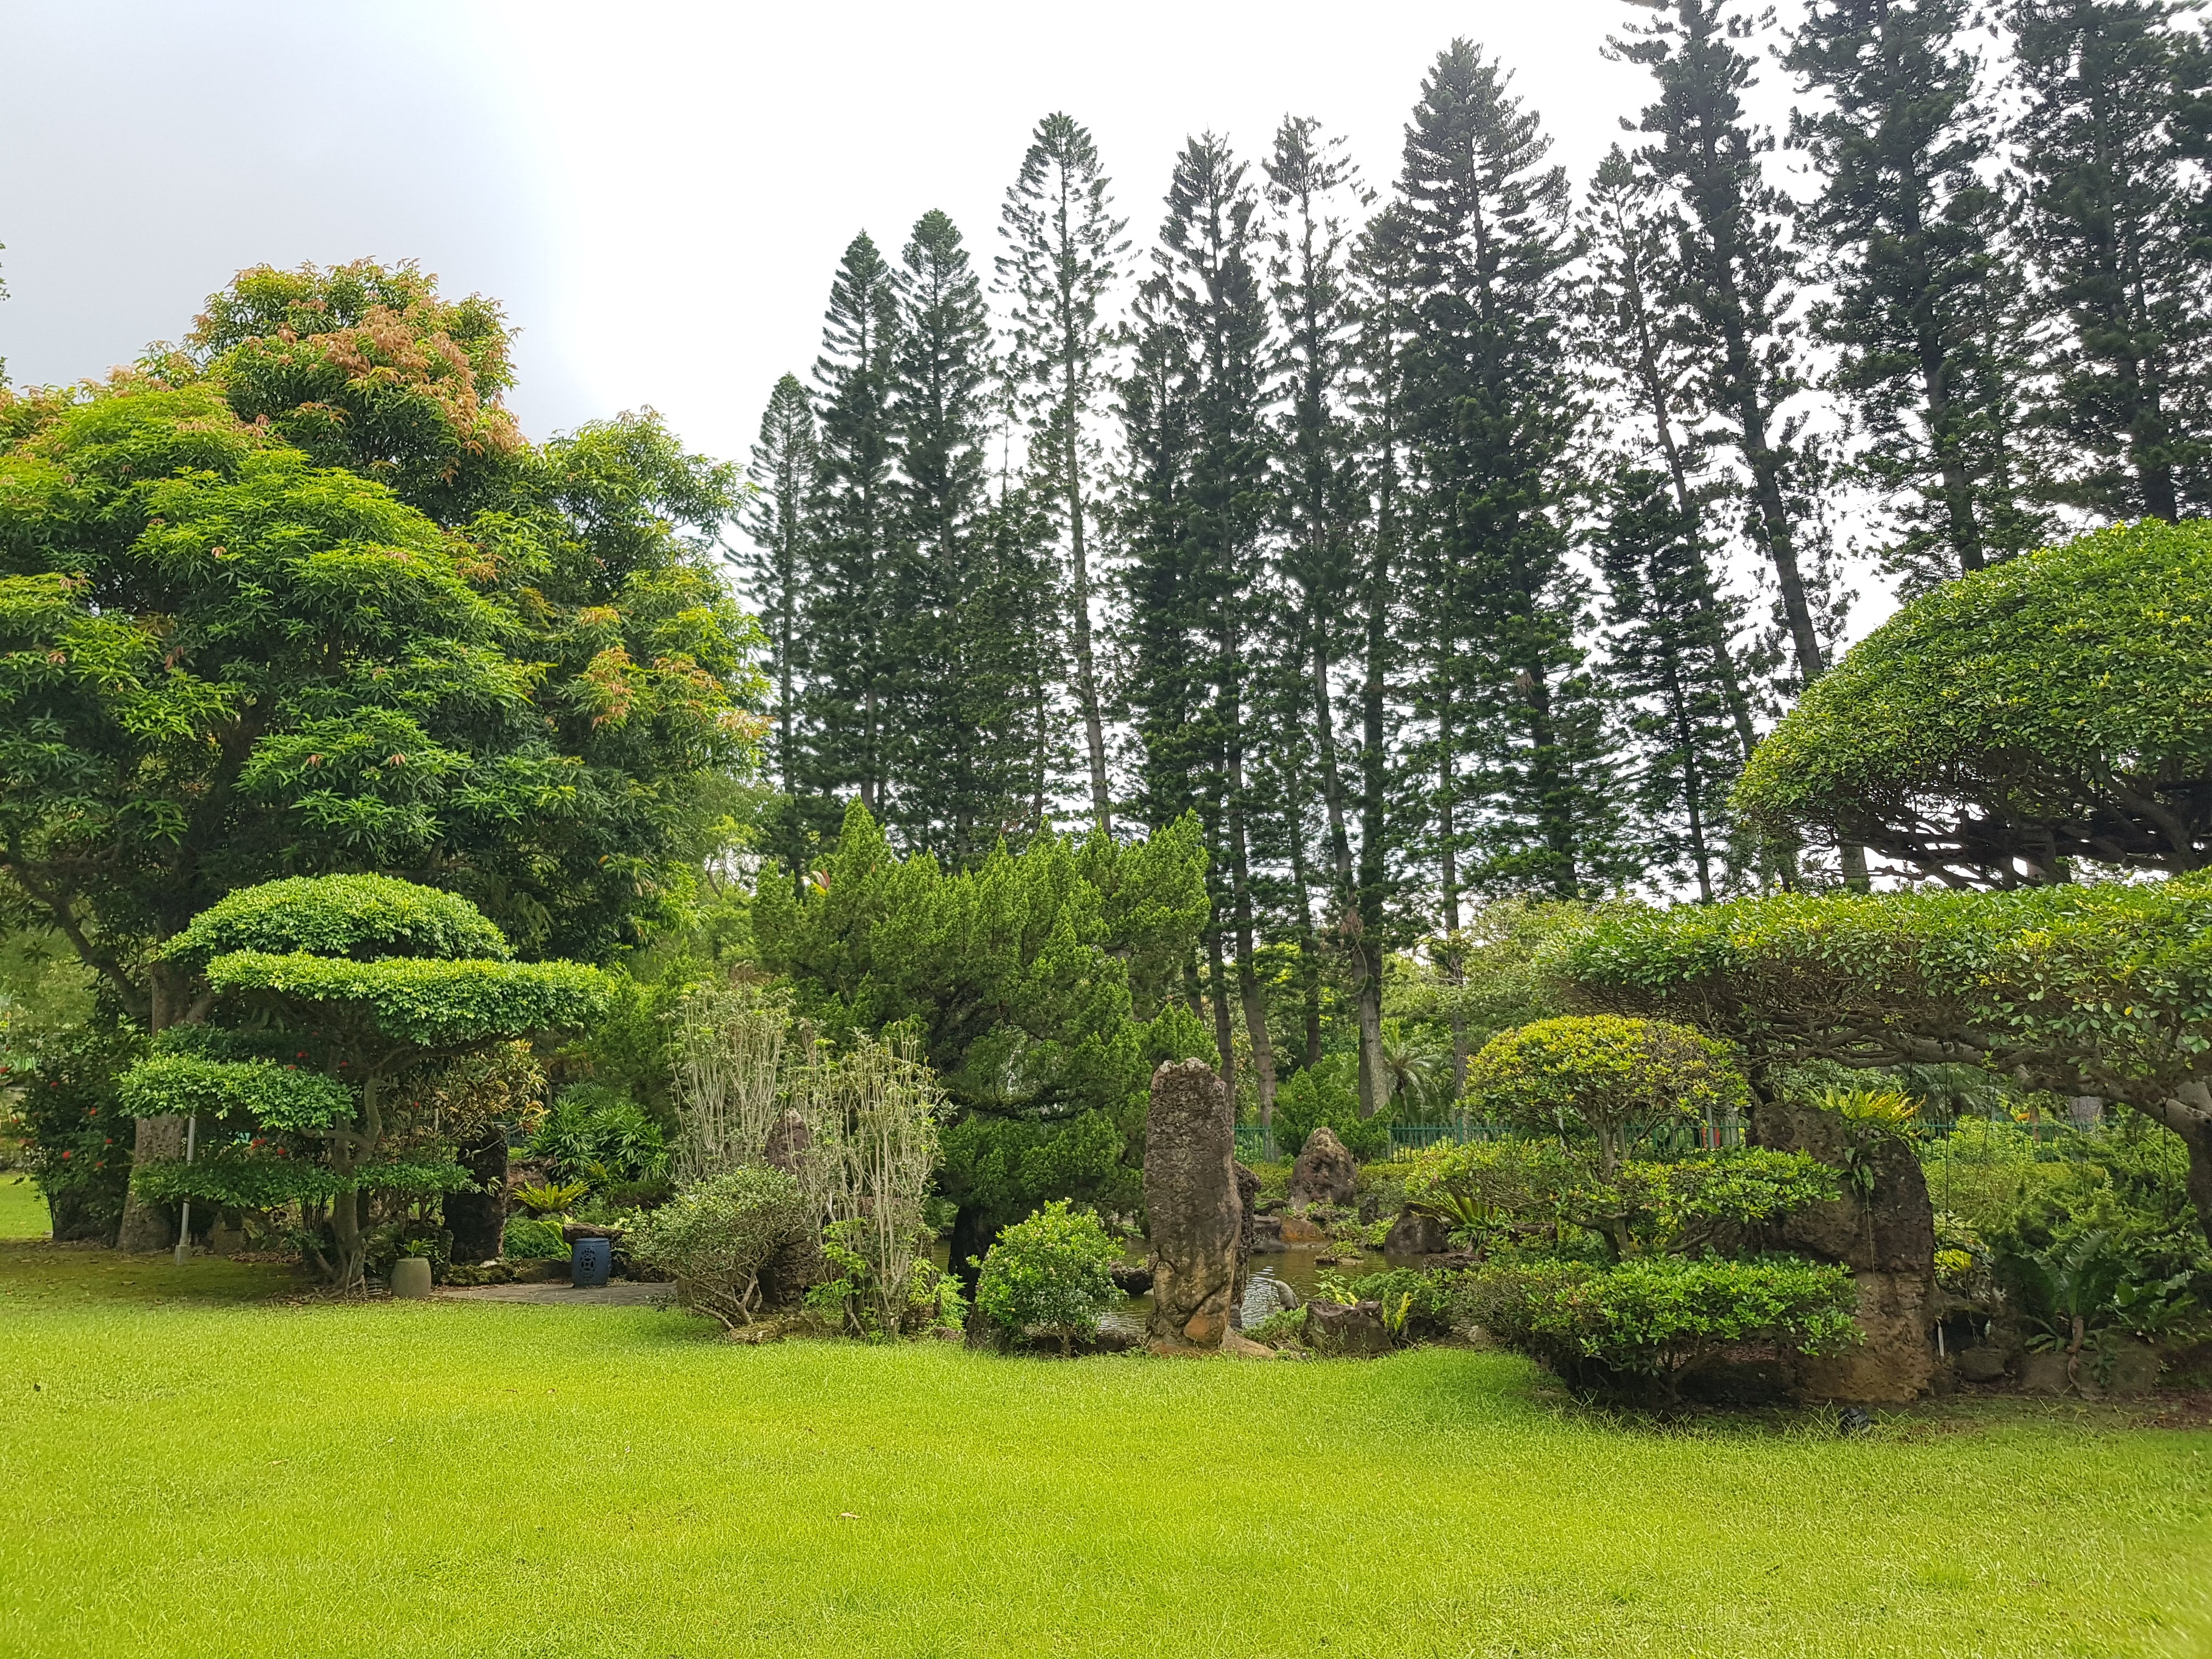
729,1059
873,1112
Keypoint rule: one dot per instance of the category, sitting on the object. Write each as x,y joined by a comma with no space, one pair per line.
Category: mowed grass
192,1469
23,1213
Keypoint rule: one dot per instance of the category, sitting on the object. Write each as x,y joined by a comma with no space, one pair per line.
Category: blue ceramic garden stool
590,1261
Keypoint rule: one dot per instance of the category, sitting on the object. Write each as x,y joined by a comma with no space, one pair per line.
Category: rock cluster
1885,1236
1326,1172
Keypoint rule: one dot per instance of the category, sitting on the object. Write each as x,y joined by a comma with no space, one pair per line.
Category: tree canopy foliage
2082,989
2057,706
1039,986
302,599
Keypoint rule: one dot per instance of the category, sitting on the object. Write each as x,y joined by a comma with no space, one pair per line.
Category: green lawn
194,1470
22,1212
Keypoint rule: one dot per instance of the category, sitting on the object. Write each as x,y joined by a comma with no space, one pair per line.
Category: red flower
65,1156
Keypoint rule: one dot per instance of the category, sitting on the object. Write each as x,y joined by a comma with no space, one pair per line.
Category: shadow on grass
34,1271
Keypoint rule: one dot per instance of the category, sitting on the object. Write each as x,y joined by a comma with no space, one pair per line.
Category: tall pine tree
1735,276
1736,273
956,614
1210,293
780,519
1313,193
1926,313
1494,409
1662,609
854,521
1383,270
1648,343
1064,253
1321,505
2123,289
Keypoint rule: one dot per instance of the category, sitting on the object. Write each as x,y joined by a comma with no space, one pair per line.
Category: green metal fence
2054,1138
1257,1145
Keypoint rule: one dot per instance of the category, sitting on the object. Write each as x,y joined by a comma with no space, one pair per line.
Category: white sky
658,192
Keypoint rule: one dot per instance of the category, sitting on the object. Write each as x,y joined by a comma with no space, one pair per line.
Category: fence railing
1257,1143
2055,1139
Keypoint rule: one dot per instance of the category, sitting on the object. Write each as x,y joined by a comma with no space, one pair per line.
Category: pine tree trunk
1086,675
1225,1035
1958,485
1240,881
1364,923
1309,944
1715,642
1694,808
1557,815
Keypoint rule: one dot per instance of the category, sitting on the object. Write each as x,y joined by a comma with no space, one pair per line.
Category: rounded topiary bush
1642,1324
1053,1273
2050,707
1608,1076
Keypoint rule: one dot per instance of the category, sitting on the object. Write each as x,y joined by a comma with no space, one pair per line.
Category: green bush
77,1136
1482,1190
1329,1093
1721,1200
528,1238
1605,1076
1283,1328
601,1136
1053,1272
715,1238
1643,1324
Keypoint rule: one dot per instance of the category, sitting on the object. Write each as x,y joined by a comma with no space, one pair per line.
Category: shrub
1052,1273
77,1135
1483,1189
1713,1200
1608,1076
715,1238
600,1136
1646,1321
1283,1328
541,1199
1328,1093
526,1237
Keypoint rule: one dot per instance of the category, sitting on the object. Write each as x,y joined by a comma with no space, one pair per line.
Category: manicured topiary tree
1604,1076
2053,707
2083,989
324,993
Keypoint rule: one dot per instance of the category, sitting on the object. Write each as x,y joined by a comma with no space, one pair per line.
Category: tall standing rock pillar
1190,1193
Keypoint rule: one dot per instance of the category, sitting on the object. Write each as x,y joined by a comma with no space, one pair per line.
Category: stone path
625,1294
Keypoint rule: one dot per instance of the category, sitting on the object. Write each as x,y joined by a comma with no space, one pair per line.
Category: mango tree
301,599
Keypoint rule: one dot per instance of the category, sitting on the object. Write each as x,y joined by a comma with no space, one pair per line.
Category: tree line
1460,536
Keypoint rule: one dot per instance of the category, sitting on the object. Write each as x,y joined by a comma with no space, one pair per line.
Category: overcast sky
656,193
